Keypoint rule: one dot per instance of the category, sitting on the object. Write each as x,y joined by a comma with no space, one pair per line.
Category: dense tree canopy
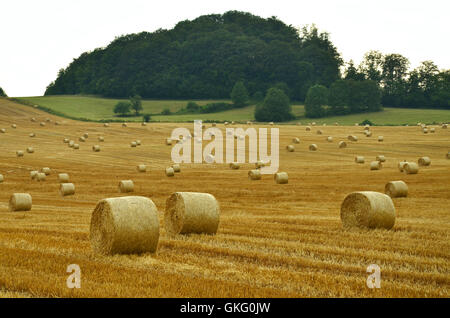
2,93
239,95
276,107
204,58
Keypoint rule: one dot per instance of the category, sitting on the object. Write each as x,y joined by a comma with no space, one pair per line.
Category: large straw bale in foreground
367,209
20,202
124,225
67,189
191,212
396,189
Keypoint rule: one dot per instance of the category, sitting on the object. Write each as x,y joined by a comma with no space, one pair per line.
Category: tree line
2,93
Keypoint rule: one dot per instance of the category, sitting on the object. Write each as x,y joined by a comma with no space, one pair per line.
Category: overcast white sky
37,38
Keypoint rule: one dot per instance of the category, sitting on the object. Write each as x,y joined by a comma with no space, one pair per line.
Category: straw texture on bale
396,189
46,170
367,209
330,139
281,177
191,212
342,144
254,174
126,225
126,186
20,202
380,158
1,178
401,165
380,138
30,150
234,165
424,161
375,165
40,177
141,168
33,174
170,172
411,168
313,147
296,140
96,148
359,159
290,148
19,153
63,178
176,168
67,189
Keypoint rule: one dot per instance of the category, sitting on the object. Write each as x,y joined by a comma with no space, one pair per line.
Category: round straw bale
3,130
359,159
290,148
319,132
424,161
444,126
20,202
281,177
191,212
124,225
330,139
138,142
401,165
259,164
57,123
141,168
32,135
448,155
425,130
46,170
1,178
14,126
144,124
42,124
86,135
96,148
168,141
124,125
30,150
296,140
411,168
380,158
63,178
19,153
82,139
313,123
33,119
40,177
170,172
105,125
48,120
313,147
33,174
66,140
367,209
67,189
76,146
176,167
432,130
101,138
352,138
254,174
308,128
396,189
126,186
380,138
225,123
234,165
133,144
214,124
375,165
366,127
271,123
342,144
71,143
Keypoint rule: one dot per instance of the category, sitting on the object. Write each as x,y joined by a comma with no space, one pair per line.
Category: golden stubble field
273,240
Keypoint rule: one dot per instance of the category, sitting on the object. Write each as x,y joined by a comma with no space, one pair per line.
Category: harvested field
272,240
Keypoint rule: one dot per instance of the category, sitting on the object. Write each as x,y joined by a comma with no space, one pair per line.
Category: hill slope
204,58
